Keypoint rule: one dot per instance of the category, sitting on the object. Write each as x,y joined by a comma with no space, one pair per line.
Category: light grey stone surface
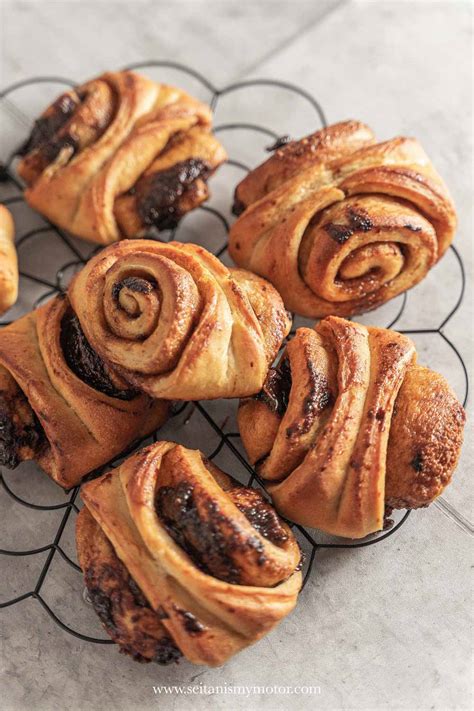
385,627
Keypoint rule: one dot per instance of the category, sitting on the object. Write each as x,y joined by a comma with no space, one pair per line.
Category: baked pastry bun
176,323
339,223
8,261
348,425
180,560
59,403
119,155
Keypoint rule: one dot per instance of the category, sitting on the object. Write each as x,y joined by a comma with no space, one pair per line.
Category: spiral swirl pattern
176,323
118,156
216,567
349,425
341,224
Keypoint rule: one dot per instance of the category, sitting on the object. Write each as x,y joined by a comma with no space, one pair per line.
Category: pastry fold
208,562
119,155
176,323
8,261
58,403
348,426
339,223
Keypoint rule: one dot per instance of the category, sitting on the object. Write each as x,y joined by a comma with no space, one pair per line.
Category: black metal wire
226,439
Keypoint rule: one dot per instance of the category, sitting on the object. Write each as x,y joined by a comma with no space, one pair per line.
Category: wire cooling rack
227,441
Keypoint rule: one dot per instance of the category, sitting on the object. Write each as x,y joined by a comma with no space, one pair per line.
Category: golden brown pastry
340,223
179,559
119,155
8,261
176,323
59,403
349,425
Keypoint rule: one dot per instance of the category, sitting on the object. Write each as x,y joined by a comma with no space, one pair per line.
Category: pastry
180,560
119,155
59,403
8,261
348,425
176,323
339,223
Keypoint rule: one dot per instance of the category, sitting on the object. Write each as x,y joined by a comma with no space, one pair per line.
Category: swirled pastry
119,155
59,403
341,224
179,559
176,323
8,261
348,425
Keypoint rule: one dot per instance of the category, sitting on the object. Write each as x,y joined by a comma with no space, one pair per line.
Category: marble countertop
383,627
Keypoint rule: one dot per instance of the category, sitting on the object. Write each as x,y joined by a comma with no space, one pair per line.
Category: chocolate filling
190,622
158,194
136,284
166,652
102,604
206,535
277,387
18,435
260,513
318,399
201,539
357,222
45,128
105,605
339,233
84,361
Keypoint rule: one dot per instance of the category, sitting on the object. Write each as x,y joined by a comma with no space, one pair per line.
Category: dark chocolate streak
105,604
166,652
158,194
190,622
276,389
84,361
206,537
260,513
357,222
137,284
45,128
13,436
318,399
202,540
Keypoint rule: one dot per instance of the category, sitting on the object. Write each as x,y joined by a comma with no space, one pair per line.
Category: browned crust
8,261
84,427
389,432
116,598
212,558
192,329
330,143
91,147
341,231
425,442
